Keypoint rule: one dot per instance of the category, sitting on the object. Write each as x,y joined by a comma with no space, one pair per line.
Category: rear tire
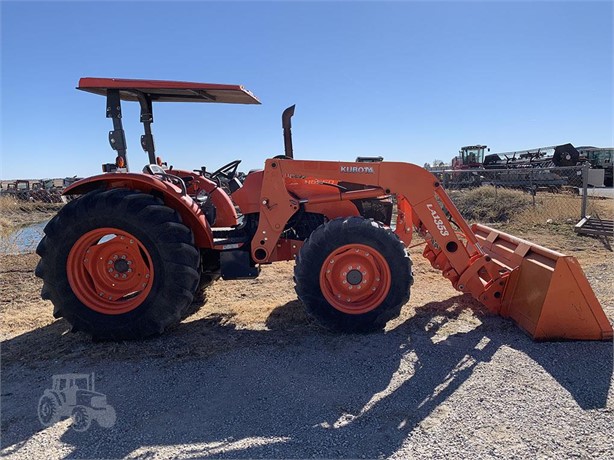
353,275
48,410
135,301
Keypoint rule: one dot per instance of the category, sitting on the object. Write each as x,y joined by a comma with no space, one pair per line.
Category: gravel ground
487,392
250,377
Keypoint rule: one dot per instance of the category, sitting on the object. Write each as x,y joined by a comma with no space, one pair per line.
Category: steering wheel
227,171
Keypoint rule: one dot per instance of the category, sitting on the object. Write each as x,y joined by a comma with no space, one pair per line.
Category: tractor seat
153,169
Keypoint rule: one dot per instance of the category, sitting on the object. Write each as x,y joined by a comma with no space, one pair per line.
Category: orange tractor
127,257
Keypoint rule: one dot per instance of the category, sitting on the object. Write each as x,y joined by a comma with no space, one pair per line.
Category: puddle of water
23,240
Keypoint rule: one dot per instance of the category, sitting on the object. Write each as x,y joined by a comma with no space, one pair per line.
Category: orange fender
190,212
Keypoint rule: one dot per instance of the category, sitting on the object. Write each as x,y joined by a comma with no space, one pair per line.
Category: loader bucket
547,293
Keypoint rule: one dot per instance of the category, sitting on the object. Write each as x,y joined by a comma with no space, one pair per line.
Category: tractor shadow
308,392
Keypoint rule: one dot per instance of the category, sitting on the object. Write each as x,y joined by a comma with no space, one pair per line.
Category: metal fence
550,195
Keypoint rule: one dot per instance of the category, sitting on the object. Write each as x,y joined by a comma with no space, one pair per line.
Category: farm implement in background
126,258
554,168
39,191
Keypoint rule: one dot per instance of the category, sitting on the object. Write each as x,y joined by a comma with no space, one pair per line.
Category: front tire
118,265
81,419
107,418
353,275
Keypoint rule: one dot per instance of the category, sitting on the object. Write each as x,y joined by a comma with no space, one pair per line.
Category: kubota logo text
357,169
440,225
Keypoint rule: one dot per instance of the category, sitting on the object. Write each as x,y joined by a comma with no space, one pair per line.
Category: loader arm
460,259
458,254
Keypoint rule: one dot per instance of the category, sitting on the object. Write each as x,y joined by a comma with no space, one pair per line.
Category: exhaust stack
286,123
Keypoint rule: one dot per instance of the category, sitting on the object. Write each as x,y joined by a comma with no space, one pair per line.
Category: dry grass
562,208
15,216
490,204
16,213
235,314
246,313
9,204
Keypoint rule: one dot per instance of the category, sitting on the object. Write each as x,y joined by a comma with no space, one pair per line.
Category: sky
409,81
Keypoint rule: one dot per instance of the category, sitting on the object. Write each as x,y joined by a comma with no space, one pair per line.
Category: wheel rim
110,271
46,410
355,279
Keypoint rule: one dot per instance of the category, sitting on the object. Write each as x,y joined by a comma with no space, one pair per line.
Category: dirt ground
241,317
267,302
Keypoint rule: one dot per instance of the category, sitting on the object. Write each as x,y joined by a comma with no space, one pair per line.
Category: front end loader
127,258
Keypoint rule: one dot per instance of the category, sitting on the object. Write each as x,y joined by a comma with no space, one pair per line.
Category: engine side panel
248,196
